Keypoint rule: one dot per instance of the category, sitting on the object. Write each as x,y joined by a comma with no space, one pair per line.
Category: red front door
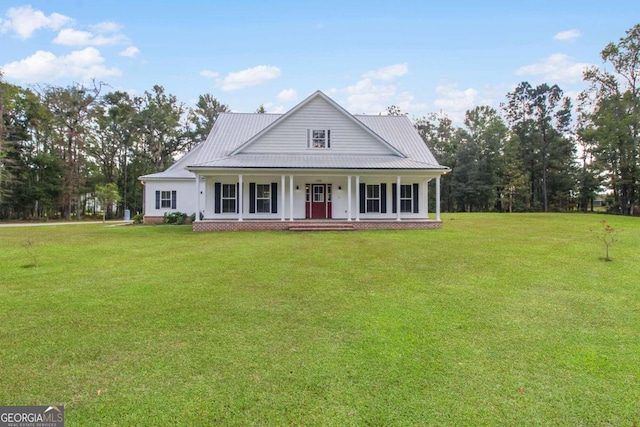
318,201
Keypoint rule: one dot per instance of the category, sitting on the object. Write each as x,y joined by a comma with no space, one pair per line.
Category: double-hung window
319,138
229,198
373,198
406,198
165,199
263,198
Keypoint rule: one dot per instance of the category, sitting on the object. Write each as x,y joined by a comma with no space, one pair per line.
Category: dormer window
319,138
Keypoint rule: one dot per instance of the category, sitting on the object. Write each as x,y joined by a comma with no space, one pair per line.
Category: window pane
263,190
318,194
165,199
405,191
405,206
318,138
229,190
263,205
373,191
229,205
373,205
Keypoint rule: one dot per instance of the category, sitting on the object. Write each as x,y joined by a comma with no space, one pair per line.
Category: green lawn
505,320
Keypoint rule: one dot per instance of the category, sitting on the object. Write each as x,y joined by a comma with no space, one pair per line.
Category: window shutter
252,197
416,195
173,199
363,197
383,198
328,138
217,195
157,199
394,196
237,197
308,138
274,197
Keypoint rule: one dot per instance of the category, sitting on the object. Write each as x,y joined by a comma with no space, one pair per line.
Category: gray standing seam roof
231,130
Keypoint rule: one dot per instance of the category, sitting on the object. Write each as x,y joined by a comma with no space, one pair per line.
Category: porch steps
318,226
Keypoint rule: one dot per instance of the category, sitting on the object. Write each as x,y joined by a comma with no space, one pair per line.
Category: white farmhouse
315,167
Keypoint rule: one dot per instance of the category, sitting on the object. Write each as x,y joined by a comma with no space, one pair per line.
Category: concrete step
321,227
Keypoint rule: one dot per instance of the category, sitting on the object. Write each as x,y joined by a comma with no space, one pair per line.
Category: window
229,198
263,198
373,198
319,138
406,198
165,199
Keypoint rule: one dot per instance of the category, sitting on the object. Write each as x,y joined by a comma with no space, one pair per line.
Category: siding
290,136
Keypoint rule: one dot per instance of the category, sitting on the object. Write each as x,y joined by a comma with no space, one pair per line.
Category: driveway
38,224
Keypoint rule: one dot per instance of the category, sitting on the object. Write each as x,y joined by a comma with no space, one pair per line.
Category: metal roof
232,131
315,161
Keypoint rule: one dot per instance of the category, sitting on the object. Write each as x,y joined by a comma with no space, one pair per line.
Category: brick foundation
252,225
153,219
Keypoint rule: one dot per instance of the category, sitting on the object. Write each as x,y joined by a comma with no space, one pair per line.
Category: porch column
349,198
198,197
240,197
357,197
282,199
426,198
290,197
437,198
398,181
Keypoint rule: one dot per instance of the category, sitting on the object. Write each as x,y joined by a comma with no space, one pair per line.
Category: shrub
177,218
138,218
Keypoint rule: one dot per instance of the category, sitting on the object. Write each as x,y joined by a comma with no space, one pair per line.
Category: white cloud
388,73
567,35
368,97
556,68
287,95
249,77
455,101
25,20
106,27
452,97
130,52
364,97
210,74
44,66
71,37
271,108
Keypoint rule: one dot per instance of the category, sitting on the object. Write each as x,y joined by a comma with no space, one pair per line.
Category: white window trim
234,198
326,140
165,202
404,199
367,198
267,198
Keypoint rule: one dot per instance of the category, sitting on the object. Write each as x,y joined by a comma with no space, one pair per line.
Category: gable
290,134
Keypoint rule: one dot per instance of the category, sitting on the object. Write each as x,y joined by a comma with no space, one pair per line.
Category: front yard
493,320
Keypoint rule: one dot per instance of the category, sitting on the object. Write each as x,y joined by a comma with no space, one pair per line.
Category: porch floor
315,225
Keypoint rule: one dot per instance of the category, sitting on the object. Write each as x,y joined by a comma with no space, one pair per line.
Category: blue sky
422,56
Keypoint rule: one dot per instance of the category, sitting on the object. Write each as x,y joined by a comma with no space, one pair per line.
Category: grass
493,320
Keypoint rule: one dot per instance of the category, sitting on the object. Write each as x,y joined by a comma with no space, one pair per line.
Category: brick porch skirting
257,225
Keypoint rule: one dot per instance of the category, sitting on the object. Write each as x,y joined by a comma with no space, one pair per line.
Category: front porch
316,225
278,201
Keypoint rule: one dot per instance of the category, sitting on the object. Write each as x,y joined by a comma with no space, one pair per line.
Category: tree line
533,155
58,145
